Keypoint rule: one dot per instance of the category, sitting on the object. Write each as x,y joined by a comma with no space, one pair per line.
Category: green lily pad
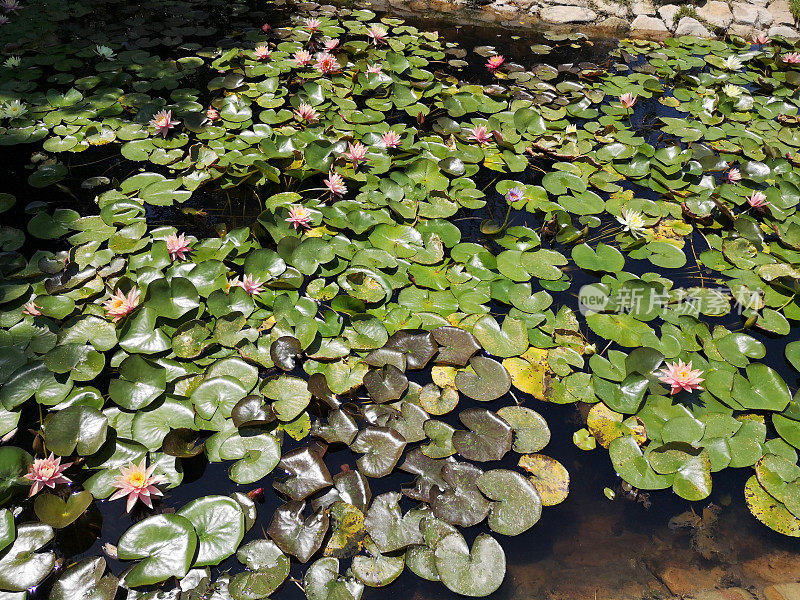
219,523
472,572
165,544
58,514
21,567
489,381
517,506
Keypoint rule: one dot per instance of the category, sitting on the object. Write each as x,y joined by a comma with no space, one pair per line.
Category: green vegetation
638,249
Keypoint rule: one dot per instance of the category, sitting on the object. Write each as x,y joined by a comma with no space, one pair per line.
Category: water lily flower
732,91
681,376
761,40
14,109
12,62
571,128
262,52
357,153
302,58
137,483
256,495
3,19
177,246
378,34
732,63
733,175
791,58
163,122
10,6
391,139
628,100
120,305
299,216
266,28
32,310
327,63
335,184
515,194
495,62
757,200
632,221
252,285
376,69
313,24
104,52
46,472
212,114
306,112
331,44
479,134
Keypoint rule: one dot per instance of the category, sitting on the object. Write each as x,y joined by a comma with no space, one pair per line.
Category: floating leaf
301,537
165,543
549,477
219,523
477,572
489,381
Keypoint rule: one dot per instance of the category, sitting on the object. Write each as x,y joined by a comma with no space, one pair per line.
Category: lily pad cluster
435,249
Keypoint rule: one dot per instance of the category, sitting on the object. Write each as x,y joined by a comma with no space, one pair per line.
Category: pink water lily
299,216
733,175
302,58
495,62
331,44
628,100
32,310
163,122
313,24
262,52
791,58
137,483
378,34
391,139
212,114
357,153
335,184
305,112
375,69
46,472
266,28
120,305
11,6
251,285
681,376
177,246
327,63
757,200
761,40
479,134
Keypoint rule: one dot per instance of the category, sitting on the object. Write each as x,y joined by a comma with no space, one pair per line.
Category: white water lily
632,221
732,91
13,109
12,62
104,52
732,63
571,128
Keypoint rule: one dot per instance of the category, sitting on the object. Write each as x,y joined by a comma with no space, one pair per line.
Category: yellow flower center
138,479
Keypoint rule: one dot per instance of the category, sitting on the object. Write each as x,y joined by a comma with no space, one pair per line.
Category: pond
314,301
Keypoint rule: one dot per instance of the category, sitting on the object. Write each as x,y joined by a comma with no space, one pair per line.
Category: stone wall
637,18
